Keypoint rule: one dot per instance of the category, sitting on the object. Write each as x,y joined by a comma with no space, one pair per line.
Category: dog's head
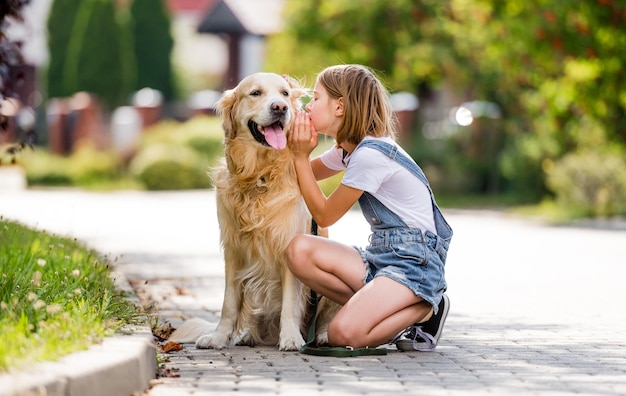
262,106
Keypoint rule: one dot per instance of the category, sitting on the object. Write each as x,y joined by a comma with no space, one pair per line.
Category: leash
310,349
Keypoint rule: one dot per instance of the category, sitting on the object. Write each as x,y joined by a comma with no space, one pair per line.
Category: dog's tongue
275,136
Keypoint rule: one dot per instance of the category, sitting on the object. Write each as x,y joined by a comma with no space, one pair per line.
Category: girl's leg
376,313
332,269
372,314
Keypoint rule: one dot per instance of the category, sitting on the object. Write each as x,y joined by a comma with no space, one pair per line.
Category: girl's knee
344,334
297,253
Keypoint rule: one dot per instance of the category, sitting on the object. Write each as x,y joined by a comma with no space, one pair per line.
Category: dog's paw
292,343
243,337
322,338
212,341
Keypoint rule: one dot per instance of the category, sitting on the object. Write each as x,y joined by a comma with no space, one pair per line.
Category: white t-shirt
392,184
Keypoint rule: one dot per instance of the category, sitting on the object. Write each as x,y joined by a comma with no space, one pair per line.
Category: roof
190,5
259,17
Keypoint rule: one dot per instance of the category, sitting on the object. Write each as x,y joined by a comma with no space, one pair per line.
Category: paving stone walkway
535,309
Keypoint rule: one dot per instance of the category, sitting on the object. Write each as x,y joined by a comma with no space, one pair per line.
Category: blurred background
503,103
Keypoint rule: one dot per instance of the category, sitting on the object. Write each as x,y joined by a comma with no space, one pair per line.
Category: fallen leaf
163,331
181,292
171,346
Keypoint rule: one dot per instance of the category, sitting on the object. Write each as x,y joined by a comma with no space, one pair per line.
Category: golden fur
260,209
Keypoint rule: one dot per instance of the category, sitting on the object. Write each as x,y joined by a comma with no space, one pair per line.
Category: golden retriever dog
260,210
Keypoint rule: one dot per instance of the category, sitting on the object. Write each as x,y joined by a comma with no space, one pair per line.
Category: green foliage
86,167
109,49
171,155
590,183
59,26
554,68
89,166
94,55
128,68
329,185
558,80
205,135
45,169
403,40
202,133
152,45
178,155
170,167
56,297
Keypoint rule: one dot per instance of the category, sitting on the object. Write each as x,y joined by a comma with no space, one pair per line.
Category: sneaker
424,336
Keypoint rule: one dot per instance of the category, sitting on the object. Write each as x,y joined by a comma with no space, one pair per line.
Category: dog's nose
279,108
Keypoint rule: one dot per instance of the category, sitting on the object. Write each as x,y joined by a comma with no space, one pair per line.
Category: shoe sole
406,345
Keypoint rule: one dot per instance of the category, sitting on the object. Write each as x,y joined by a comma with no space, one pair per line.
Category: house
233,33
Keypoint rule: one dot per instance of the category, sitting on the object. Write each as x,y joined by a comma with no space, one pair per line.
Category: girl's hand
303,137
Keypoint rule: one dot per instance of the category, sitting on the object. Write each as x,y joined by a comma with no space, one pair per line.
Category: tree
59,25
402,40
10,51
10,56
94,61
152,44
556,69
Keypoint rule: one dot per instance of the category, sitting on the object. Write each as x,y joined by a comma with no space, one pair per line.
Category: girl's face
325,112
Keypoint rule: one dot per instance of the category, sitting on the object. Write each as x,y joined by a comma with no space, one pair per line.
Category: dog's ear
297,88
224,109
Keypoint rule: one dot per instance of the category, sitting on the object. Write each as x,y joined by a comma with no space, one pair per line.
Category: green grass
56,297
546,210
550,212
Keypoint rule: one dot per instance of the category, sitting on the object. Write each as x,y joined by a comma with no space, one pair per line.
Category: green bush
162,131
86,167
179,147
201,133
180,132
45,169
205,135
590,183
89,166
170,167
175,156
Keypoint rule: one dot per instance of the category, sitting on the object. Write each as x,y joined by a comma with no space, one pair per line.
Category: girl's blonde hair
366,106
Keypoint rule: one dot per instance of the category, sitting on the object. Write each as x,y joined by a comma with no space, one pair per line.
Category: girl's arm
325,211
320,171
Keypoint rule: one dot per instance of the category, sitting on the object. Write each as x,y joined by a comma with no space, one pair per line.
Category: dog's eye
285,93
256,93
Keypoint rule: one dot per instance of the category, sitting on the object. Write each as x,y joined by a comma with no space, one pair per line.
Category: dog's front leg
292,313
222,336
326,311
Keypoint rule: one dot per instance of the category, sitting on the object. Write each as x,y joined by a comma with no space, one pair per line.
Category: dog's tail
191,330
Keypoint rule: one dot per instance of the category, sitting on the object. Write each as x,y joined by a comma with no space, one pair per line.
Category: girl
398,280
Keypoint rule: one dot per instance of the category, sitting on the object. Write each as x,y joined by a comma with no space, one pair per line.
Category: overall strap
443,228
392,152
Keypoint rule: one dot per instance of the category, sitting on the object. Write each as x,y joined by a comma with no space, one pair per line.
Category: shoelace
413,332
429,339
400,334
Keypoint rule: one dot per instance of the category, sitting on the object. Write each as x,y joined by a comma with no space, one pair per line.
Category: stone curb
120,365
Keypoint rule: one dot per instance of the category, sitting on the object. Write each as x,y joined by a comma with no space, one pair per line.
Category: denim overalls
407,255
